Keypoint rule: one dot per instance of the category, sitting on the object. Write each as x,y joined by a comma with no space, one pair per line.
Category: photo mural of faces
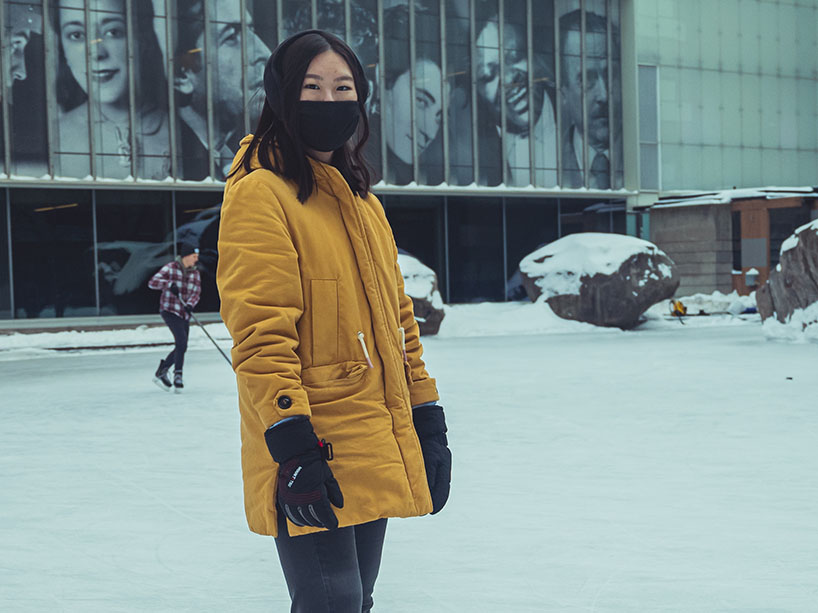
22,92
529,97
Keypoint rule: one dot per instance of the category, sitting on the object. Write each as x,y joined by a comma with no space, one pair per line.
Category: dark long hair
276,142
151,86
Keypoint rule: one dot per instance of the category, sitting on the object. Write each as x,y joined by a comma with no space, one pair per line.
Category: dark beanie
187,248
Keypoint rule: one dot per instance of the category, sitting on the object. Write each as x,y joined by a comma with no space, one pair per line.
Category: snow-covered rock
792,288
603,279
420,284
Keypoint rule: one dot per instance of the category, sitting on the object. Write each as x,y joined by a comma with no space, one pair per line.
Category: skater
181,286
340,424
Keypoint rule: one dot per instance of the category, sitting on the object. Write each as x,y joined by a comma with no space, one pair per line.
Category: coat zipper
403,344
366,351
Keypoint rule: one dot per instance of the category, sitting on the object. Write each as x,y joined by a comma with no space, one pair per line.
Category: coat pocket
324,305
333,381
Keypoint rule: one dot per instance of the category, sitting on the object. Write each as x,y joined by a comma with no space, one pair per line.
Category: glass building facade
728,93
496,126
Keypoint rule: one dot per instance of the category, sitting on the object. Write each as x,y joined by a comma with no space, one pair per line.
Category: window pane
570,23
151,120
364,42
417,222
190,81
515,100
135,239
53,253
544,94
529,225
489,92
476,250
197,222
230,90
596,99
428,95
397,96
458,83
261,39
71,126
5,286
27,116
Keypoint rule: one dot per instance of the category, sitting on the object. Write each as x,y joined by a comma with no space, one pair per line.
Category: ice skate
160,377
178,386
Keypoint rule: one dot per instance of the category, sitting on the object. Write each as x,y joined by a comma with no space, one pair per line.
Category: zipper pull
366,351
403,344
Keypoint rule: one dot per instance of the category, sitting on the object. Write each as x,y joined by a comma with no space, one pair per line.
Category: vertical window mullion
208,86
171,67
129,28
444,99
584,90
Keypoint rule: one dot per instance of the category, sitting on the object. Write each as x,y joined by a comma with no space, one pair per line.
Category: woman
398,100
339,422
106,34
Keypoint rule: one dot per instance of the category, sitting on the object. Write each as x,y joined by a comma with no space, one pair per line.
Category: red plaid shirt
188,281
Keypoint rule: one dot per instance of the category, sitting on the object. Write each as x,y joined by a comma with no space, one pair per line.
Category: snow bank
419,280
558,267
802,326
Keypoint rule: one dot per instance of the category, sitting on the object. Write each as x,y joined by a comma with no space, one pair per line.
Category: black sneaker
160,377
178,386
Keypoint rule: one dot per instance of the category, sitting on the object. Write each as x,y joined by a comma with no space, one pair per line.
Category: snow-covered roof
727,196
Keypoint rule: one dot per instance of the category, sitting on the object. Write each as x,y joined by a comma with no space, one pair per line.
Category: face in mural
428,111
596,75
107,38
227,58
515,76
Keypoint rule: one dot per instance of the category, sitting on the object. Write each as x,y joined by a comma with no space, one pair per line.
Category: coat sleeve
196,294
422,387
261,301
160,279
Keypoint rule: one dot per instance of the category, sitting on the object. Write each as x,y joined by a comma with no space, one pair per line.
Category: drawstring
403,343
366,351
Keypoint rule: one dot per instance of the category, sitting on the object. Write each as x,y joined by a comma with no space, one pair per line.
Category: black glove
430,425
174,289
306,486
188,308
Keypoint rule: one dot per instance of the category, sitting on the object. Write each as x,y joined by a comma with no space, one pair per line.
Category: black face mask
326,126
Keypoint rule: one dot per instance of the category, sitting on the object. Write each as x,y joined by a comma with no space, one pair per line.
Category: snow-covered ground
670,468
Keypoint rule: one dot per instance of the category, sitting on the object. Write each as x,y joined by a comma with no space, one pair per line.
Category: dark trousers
331,572
180,328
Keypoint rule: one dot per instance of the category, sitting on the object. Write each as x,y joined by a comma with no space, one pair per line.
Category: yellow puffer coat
307,290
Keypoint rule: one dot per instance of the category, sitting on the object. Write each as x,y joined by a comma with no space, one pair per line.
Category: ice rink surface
674,468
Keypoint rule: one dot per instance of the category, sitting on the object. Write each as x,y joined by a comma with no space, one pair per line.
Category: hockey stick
211,339
179,297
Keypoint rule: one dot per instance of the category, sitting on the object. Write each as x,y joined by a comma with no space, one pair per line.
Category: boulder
603,279
793,284
420,284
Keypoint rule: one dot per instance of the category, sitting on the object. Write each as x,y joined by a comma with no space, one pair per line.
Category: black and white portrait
93,90
24,89
230,88
595,122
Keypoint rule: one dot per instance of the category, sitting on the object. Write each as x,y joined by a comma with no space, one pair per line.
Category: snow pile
802,326
558,267
716,303
419,280
792,240
509,318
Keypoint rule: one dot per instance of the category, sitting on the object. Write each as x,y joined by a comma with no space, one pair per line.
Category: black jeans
180,329
331,572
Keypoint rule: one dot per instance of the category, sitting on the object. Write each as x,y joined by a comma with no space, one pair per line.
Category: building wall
699,240
496,127
736,92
